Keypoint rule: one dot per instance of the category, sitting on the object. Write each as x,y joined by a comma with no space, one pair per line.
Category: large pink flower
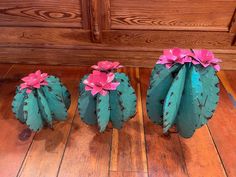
206,58
100,82
175,55
33,80
107,66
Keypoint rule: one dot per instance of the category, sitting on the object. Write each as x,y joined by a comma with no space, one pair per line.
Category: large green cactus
42,105
117,106
184,95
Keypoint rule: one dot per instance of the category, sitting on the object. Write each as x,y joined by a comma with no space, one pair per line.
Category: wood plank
228,80
222,129
38,13
12,150
87,152
164,153
201,156
128,174
146,40
4,68
91,56
151,14
128,144
47,149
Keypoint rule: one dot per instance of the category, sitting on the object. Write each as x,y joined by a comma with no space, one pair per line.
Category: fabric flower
175,55
34,80
206,58
100,82
107,66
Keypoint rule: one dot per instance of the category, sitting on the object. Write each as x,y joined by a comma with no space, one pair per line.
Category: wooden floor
74,149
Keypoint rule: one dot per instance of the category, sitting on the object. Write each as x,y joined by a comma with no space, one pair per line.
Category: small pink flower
206,58
100,82
34,80
107,66
175,55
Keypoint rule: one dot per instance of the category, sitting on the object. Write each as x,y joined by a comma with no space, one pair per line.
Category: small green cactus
42,105
116,106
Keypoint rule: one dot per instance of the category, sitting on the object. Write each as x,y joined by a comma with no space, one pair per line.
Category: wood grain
164,153
40,13
89,57
4,68
12,150
49,145
67,38
222,129
128,144
201,156
189,15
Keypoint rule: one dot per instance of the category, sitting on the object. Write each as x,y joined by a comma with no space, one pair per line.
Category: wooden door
132,31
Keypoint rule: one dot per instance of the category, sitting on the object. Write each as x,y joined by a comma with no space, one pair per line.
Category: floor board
12,150
140,149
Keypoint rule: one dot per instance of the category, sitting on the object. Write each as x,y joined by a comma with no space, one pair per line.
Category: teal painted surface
127,98
161,80
18,104
31,112
42,105
172,100
87,108
190,96
103,111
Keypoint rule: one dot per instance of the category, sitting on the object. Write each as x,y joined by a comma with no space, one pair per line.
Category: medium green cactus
184,95
43,105
117,106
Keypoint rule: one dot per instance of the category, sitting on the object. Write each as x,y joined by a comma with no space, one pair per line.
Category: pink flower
33,80
100,82
106,66
206,58
175,55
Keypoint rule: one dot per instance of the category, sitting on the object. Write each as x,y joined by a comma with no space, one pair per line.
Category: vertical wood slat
95,20
85,14
46,152
12,150
106,14
128,152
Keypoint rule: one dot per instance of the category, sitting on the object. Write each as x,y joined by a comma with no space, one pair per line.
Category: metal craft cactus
185,95
116,106
42,105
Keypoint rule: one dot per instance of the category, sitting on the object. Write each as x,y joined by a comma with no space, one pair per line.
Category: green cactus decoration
42,105
117,106
184,95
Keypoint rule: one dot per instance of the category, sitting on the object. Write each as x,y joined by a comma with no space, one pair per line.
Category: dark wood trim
85,14
95,20
232,26
106,14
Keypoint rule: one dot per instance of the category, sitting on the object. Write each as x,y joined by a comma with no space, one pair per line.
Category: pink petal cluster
176,55
100,82
206,58
34,80
107,66
173,56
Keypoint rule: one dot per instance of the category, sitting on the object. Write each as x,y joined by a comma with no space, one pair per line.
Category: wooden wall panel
87,57
172,15
114,39
52,13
